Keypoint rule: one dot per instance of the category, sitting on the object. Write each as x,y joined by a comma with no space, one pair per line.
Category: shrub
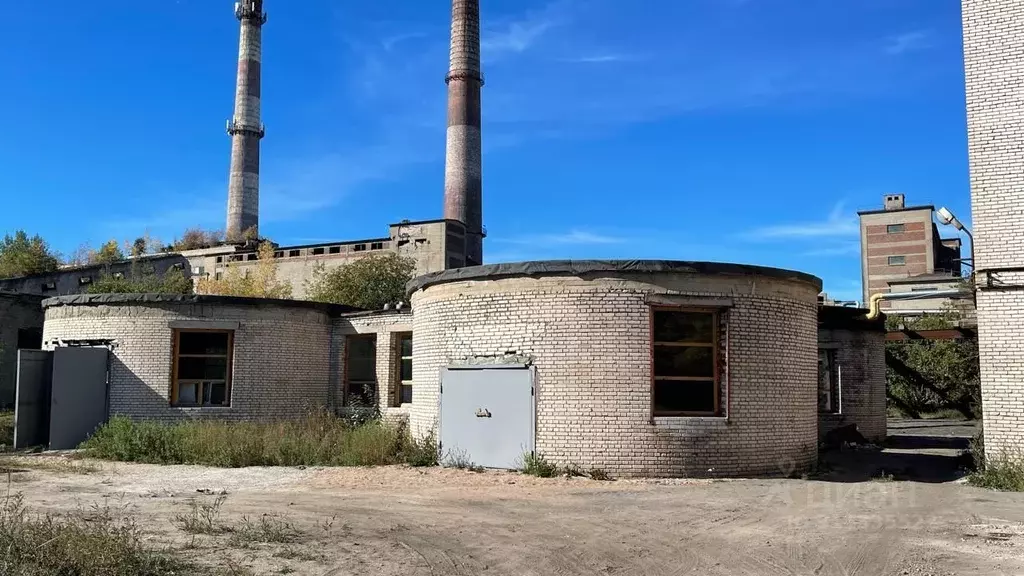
422,451
100,544
997,474
318,439
534,464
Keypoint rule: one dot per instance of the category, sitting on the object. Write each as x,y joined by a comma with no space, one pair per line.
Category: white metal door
487,414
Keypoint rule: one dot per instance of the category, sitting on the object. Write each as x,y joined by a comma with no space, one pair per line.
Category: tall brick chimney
245,127
463,163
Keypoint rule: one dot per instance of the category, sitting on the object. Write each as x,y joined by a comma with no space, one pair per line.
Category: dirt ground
899,511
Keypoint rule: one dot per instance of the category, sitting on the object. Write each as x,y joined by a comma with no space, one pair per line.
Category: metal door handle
483,413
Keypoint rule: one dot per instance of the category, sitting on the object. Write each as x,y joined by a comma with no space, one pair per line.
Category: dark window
202,368
897,260
220,259
454,262
377,246
335,250
318,251
404,368
85,280
402,243
294,253
828,381
685,352
895,228
49,286
218,275
252,257
359,248
30,338
360,371
279,254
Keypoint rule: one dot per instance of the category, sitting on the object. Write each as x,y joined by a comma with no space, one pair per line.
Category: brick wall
590,342
994,67
386,326
860,356
17,312
282,361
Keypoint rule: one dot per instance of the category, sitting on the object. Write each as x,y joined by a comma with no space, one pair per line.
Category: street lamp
948,219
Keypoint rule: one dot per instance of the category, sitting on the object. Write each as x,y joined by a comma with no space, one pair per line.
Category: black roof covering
846,318
143,299
599,267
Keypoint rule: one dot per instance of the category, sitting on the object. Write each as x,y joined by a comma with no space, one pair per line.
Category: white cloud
837,224
516,37
908,42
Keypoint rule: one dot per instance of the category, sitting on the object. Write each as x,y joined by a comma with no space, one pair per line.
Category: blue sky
735,130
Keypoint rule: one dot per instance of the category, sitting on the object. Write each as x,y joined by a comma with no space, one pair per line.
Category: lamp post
948,219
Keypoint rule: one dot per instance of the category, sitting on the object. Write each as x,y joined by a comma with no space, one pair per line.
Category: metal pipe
876,299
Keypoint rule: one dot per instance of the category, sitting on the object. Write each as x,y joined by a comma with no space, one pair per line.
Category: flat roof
926,278
143,299
846,318
584,267
929,207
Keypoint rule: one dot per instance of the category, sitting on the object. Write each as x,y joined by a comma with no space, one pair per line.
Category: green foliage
108,253
997,474
142,279
535,464
6,429
318,439
101,542
259,281
201,518
950,365
196,238
422,452
367,283
21,255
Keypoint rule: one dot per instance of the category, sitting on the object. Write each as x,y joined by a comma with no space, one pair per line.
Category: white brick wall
994,68
281,356
385,326
590,343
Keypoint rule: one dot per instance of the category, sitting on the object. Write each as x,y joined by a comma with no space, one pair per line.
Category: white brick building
994,67
642,368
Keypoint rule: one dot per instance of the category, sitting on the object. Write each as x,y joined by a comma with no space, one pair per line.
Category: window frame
348,373
902,260
715,345
835,379
897,228
399,359
175,357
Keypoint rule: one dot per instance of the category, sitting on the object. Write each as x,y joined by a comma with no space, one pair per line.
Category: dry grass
318,439
101,542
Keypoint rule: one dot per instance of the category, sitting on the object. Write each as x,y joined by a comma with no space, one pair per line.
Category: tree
259,281
929,376
21,255
139,246
142,279
196,238
367,283
108,253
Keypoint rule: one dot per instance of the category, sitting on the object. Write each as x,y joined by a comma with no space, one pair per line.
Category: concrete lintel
202,325
684,300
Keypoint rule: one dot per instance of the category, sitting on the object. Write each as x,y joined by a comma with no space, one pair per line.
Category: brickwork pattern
590,342
994,69
244,184
861,359
281,367
386,326
17,312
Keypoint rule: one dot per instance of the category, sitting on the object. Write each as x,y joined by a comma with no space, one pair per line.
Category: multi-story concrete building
434,245
899,243
993,32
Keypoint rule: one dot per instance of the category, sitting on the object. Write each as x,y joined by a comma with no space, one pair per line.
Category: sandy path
402,521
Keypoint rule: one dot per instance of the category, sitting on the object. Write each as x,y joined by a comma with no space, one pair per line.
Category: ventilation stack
245,127
463,188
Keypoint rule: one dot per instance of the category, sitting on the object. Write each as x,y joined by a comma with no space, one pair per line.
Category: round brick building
639,368
175,356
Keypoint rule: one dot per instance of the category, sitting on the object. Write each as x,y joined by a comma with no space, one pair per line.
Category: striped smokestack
463,169
245,127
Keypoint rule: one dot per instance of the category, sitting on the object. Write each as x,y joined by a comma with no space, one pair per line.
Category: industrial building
641,368
453,241
993,32
900,246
